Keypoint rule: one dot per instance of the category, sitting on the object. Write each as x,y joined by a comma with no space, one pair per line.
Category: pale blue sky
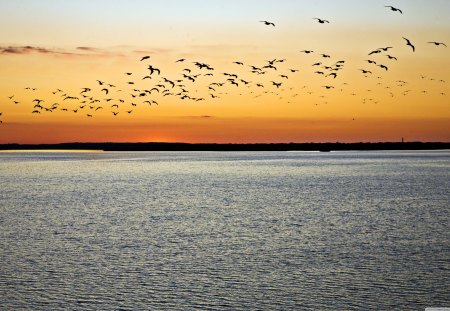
116,22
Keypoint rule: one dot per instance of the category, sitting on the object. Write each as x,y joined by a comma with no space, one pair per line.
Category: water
225,231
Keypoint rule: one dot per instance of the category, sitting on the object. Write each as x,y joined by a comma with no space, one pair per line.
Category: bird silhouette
307,51
153,69
410,44
333,74
145,57
322,21
374,52
391,57
386,48
276,84
267,23
170,82
393,9
438,43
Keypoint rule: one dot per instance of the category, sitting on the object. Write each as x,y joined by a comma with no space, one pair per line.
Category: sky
58,48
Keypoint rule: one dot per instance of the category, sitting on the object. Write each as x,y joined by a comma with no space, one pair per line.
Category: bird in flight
307,51
153,69
393,9
145,57
386,48
322,21
276,84
365,71
267,23
391,57
410,44
333,74
438,43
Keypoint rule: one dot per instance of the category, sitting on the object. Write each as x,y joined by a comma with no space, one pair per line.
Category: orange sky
66,54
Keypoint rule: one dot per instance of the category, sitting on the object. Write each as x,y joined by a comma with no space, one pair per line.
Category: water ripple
225,231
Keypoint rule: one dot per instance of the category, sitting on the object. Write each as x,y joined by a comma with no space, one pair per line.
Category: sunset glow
69,45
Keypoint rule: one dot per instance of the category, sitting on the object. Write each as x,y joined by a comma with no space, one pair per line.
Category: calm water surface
225,231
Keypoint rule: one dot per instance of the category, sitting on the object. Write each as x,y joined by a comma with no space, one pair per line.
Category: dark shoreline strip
232,147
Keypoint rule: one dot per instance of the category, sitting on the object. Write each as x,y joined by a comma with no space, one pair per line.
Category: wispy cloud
198,117
88,48
23,50
81,51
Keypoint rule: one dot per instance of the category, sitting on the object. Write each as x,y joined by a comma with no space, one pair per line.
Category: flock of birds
105,95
